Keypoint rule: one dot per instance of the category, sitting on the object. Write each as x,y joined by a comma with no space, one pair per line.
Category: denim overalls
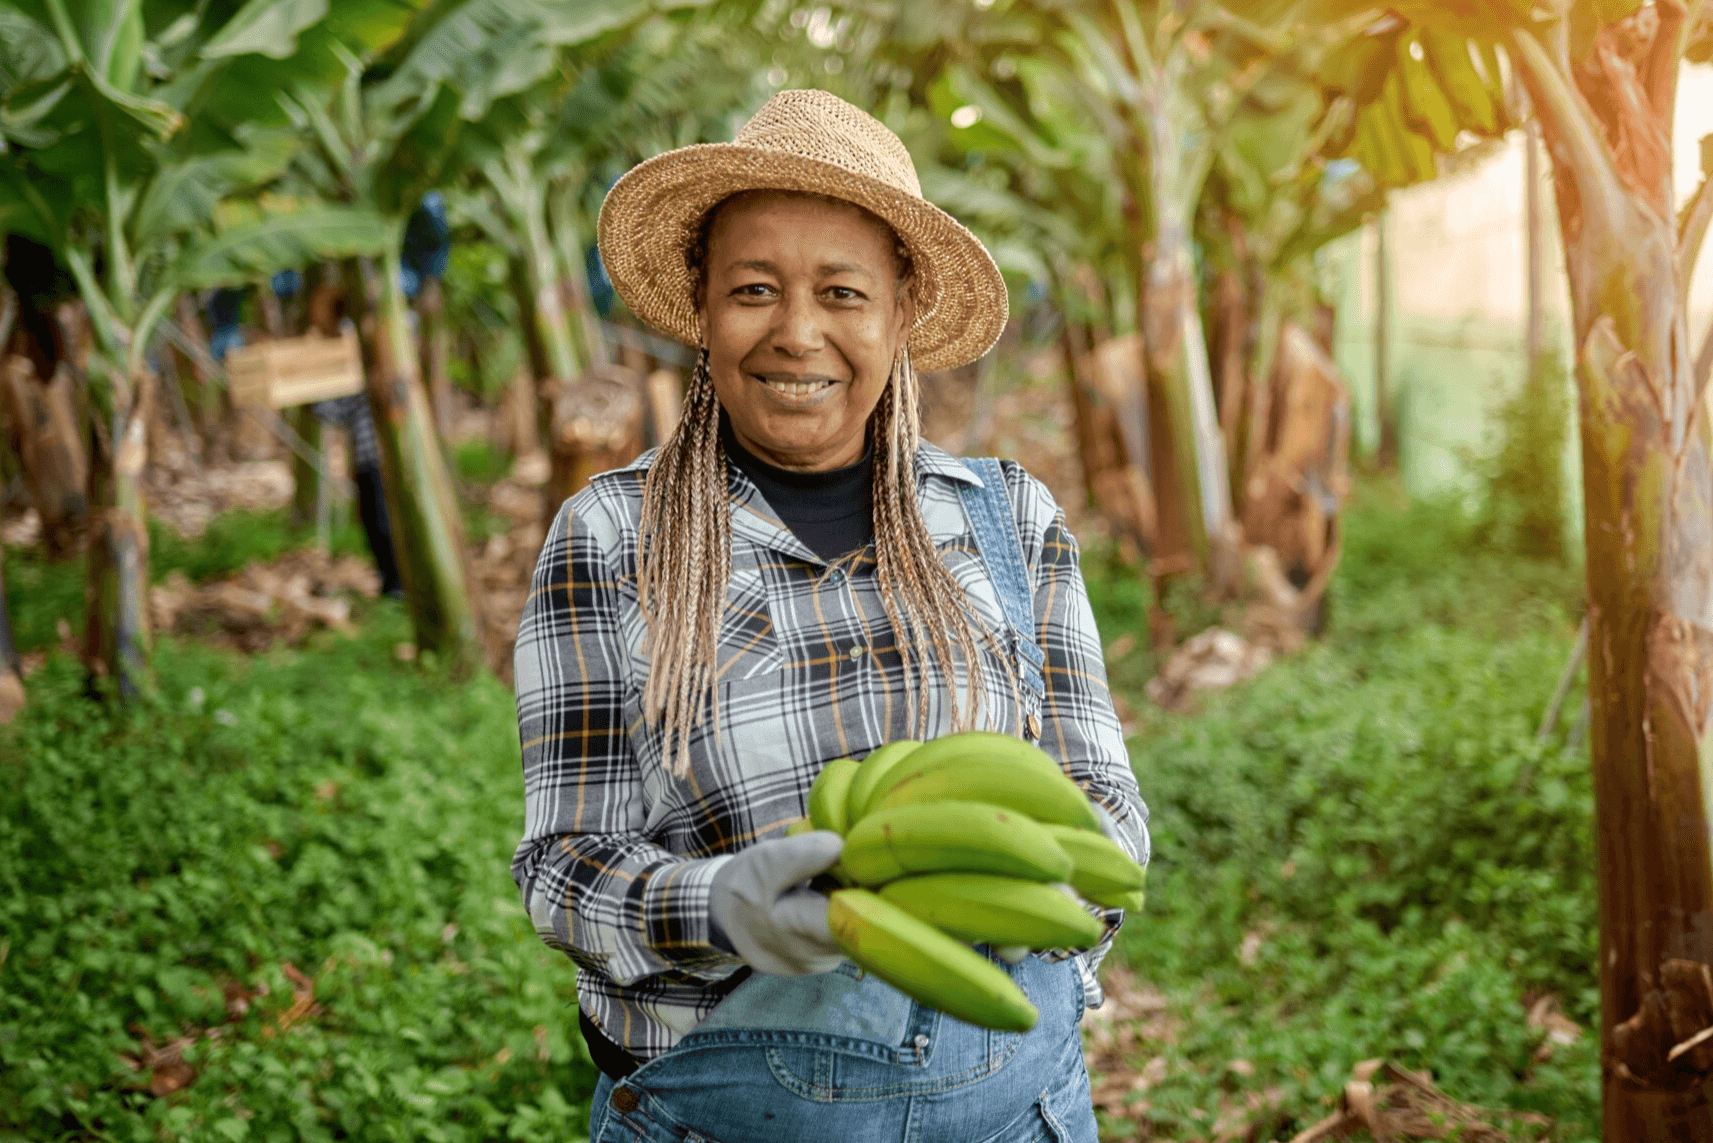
842,1057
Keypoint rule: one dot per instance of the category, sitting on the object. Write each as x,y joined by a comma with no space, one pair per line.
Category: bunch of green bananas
974,837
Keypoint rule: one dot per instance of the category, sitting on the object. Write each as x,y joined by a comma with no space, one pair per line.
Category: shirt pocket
748,645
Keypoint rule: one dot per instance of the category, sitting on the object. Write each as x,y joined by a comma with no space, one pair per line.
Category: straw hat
815,142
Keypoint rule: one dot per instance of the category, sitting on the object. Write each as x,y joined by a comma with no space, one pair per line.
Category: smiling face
804,313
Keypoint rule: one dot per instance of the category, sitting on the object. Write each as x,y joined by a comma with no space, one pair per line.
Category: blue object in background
427,244
286,284
224,309
600,286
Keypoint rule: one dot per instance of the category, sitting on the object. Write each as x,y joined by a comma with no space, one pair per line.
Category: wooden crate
294,371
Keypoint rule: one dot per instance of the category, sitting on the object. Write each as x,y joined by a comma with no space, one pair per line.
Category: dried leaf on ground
300,592
1384,1101
1211,660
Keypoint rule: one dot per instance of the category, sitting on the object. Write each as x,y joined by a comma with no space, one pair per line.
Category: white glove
759,902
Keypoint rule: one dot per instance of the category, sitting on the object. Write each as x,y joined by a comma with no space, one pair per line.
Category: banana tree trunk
11,673
203,395
581,319
116,640
1386,405
435,341
1227,323
1648,496
306,490
428,533
1074,342
1190,479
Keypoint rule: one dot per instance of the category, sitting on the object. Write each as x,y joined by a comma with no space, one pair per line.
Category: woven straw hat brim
651,215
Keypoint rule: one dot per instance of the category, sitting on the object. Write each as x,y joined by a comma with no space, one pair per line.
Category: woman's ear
906,314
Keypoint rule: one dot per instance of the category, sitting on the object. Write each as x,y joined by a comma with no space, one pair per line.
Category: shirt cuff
678,907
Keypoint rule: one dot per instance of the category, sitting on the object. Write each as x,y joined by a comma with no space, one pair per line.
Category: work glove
766,914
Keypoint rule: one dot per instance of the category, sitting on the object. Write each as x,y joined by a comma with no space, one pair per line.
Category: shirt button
856,653
624,1100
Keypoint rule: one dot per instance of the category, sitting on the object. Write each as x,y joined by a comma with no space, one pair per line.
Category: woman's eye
752,290
844,294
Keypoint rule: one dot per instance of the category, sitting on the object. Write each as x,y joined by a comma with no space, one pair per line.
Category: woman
794,578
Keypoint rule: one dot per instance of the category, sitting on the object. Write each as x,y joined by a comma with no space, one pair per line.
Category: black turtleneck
832,512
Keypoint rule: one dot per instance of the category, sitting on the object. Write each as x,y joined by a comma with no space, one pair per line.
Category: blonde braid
686,528
920,596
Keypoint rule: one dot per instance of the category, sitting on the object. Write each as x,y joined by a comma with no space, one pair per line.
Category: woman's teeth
795,388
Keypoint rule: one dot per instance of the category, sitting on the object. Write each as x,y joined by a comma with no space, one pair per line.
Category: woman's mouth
793,385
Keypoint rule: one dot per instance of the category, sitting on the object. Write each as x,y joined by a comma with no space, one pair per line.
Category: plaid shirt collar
756,522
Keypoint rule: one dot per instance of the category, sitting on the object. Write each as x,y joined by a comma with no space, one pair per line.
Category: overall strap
988,507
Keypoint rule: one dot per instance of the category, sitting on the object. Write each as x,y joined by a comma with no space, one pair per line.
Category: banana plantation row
1163,174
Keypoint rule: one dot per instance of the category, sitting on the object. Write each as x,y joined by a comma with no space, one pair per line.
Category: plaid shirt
352,412
617,855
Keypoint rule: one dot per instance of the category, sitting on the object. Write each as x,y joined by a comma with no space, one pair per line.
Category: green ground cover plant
1366,853
1362,853
181,868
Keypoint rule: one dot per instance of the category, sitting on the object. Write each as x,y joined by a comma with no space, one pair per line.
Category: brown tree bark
1648,495
55,463
597,425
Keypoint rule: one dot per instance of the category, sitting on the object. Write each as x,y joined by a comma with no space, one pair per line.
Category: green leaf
28,51
184,194
153,116
266,27
488,49
247,252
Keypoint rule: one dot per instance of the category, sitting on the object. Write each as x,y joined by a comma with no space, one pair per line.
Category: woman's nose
796,328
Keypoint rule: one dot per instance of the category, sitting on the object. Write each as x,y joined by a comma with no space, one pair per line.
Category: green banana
800,826
827,794
1104,873
1412,154
1448,54
1495,81
870,772
1045,795
1426,108
925,964
1133,901
968,744
984,908
942,837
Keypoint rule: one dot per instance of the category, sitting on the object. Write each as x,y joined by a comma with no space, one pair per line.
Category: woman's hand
769,919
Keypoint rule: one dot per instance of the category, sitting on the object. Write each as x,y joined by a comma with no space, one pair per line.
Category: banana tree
117,166
1601,78
393,130
531,163
1155,86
